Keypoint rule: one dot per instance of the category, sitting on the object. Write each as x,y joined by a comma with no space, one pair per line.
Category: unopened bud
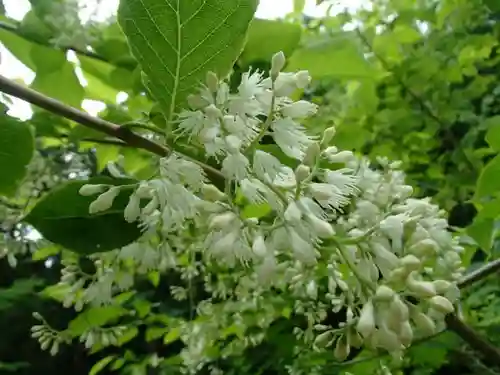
104,201
312,154
213,112
321,227
88,189
277,64
328,135
302,173
342,349
424,323
406,334
384,294
411,262
259,247
211,193
292,213
366,322
212,82
441,304
133,209
222,220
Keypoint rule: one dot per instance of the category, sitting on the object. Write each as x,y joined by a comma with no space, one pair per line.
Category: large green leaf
177,42
492,124
55,76
95,317
63,217
488,182
332,56
17,145
266,37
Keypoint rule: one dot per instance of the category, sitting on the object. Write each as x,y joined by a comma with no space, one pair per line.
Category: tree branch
123,133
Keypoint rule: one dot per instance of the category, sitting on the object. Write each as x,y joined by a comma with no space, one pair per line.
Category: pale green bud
424,323
104,201
442,286
88,189
292,213
328,135
422,289
424,247
398,310
388,340
302,173
406,333
211,193
366,322
213,112
384,294
441,304
259,246
321,227
411,262
323,339
312,153
223,220
277,64
133,209
342,349
212,82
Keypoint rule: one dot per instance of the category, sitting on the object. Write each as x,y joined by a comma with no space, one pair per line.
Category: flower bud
259,246
113,170
424,323
233,144
411,262
406,334
277,64
366,322
212,194
424,247
151,206
441,304
292,213
321,228
196,102
422,289
312,290
398,310
340,157
312,154
442,286
387,340
302,173
222,220
104,201
384,294
328,135
342,349
133,209
213,111
212,82
323,338
88,189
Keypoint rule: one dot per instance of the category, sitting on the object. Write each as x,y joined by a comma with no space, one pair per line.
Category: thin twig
479,274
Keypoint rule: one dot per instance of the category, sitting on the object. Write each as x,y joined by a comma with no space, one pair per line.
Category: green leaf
177,43
488,182
63,217
154,333
18,46
332,56
56,292
256,210
493,133
266,37
173,335
45,252
52,66
95,317
99,366
17,145
482,230
129,334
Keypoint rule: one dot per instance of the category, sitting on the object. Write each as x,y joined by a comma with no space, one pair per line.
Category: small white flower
235,166
191,122
133,209
302,79
266,166
291,138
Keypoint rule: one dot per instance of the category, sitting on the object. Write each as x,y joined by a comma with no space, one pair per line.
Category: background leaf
16,150
63,218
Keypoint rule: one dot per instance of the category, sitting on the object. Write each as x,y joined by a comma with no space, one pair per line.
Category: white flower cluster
341,235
